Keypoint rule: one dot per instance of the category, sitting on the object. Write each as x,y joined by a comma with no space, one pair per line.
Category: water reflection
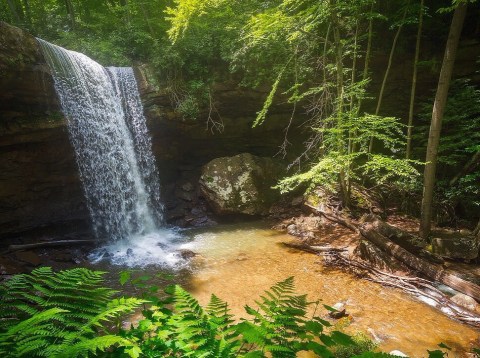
238,262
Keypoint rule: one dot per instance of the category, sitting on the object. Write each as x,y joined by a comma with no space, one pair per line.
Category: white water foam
159,248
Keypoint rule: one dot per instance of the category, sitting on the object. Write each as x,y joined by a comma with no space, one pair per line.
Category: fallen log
433,271
413,285
409,242
335,218
55,243
312,249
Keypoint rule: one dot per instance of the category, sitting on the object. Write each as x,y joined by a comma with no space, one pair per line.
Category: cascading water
108,131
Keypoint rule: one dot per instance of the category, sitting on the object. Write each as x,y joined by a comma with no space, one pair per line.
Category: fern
47,314
37,323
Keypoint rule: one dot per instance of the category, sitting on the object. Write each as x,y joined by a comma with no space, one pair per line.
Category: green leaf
314,327
124,277
342,338
134,352
443,345
436,354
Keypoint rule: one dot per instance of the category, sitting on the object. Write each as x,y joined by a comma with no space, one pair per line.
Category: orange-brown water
238,262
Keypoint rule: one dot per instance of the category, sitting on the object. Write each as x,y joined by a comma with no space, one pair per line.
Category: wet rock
129,252
187,186
240,184
197,211
292,229
186,195
456,247
297,201
340,310
162,245
63,256
397,353
186,254
29,257
466,301
10,267
177,213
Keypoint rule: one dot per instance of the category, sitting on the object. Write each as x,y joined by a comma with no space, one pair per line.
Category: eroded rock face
39,183
240,184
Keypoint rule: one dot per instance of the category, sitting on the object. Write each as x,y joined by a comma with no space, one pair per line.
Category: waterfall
108,132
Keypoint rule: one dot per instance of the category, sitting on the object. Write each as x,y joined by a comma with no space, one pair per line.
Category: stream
237,262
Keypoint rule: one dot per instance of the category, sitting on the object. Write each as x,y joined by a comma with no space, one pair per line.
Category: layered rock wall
39,184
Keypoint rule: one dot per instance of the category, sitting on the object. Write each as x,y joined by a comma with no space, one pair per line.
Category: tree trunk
14,12
437,115
343,178
387,71
414,83
70,12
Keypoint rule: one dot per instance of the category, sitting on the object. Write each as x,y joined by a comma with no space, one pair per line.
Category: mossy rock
241,184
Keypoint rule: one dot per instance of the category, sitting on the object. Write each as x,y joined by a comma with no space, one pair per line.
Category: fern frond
93,345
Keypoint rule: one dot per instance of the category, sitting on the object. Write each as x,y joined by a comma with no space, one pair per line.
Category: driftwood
56,243
335,218
312,249
372,232
382,235
414,285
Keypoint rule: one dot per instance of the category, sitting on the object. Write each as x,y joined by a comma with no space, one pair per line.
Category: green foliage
362,343
67,313
35,324
278,328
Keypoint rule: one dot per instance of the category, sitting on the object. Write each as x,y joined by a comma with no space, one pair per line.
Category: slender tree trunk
368,50
387,71
367,62
70,12
325,47
414,83
437,115
351,134
145,16
340,100
14,11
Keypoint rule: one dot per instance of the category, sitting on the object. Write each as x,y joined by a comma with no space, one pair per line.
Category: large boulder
456,247
241,184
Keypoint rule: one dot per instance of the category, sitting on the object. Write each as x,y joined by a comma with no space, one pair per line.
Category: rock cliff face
39,185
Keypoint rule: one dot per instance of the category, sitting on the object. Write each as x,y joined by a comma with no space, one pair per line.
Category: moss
363,343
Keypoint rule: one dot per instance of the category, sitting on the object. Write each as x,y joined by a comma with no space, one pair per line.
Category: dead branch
313,249
44,244
335,218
